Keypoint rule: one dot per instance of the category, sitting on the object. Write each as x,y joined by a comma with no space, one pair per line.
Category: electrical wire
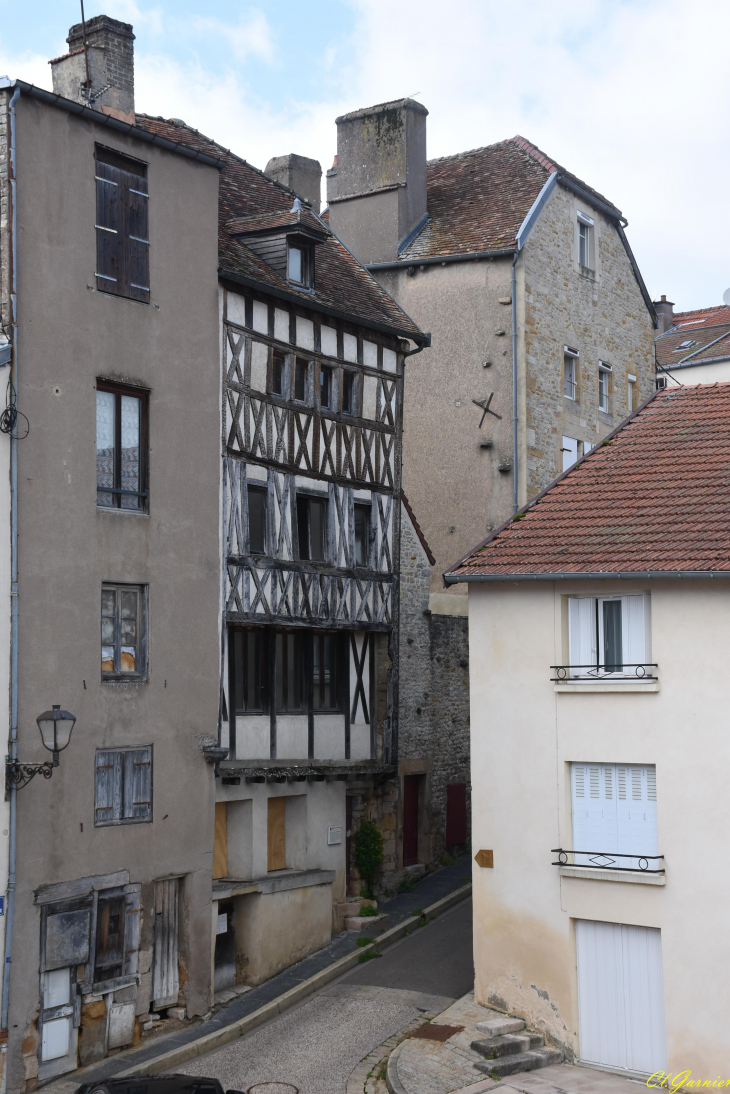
10,416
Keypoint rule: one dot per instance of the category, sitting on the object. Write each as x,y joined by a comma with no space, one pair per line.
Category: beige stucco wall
524,736
717,373
604,317
69,335
303,920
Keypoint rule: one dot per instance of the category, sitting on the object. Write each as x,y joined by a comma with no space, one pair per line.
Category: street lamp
55,727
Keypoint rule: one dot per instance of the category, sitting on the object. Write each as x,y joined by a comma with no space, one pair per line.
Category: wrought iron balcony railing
610,860
643,671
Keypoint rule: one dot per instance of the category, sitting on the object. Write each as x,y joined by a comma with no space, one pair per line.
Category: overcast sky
632,96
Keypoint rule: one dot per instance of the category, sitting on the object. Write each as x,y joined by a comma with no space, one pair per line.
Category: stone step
495,1027
508,1044
522,1061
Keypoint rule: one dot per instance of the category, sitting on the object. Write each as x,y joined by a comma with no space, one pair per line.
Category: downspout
13,749
515,446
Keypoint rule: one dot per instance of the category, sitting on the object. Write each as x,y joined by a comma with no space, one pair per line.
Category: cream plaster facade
526,731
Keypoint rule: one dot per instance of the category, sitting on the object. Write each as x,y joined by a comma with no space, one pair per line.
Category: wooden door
220,841
620,996
455,814
410,819
165,974
277,834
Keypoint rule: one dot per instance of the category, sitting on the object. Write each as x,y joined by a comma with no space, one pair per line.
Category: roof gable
650,499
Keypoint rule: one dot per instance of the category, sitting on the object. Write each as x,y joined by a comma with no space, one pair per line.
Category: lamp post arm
18,774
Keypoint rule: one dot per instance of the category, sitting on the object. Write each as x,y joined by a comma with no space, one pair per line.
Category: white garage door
620,996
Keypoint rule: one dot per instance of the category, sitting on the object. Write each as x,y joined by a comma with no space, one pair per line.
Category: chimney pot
300,174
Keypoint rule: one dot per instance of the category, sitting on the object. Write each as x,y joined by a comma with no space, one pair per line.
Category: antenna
86,49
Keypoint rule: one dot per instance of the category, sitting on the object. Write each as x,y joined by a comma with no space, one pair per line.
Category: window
109,956
122,235
362,535
661,383
569,451
325,386
121,448
277,373
615,814
122,631
299,265
301,374
257,497
325,672
609,635
349,405
312,528
633,391
290,672
604,380
123,790
585,241
570,379
250,671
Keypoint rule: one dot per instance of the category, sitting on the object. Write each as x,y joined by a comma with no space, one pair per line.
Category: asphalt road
316,1045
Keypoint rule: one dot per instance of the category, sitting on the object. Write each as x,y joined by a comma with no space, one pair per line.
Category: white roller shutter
614,813
620,996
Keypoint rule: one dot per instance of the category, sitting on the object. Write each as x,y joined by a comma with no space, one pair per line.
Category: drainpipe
515,448
13,744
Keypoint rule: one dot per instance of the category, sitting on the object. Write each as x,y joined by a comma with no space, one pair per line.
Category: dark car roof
155,1084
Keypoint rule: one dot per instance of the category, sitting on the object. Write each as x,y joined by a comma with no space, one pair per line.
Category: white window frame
569,452
630,389
570,359
604,393
586,639
586,226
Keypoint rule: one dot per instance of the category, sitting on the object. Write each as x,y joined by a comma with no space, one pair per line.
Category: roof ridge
533,151
468,152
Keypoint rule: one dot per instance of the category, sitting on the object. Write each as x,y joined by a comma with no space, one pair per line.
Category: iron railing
640,671
607,860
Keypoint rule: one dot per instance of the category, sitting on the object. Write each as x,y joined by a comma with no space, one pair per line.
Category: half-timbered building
312,356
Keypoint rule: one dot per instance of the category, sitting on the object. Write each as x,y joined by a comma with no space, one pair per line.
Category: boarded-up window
276,842
122,233
109,958
220,841
123,786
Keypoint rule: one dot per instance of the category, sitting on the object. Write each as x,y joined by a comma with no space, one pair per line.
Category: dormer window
298,264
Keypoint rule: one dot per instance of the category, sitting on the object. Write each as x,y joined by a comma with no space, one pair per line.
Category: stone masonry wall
433,709
601,313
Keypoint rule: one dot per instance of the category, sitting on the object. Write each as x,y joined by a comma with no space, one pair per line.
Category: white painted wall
525,733
717,373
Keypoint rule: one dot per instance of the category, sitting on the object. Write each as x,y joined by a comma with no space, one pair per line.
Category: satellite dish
726,297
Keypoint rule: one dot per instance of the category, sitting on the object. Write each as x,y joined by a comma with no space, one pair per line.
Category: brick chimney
302,175
110,53
380,178
665,314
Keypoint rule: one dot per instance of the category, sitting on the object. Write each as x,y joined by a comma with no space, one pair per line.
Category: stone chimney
302,175
332,181
110,53
665,314
380,178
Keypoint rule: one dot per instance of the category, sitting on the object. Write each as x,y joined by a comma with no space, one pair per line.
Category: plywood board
277,834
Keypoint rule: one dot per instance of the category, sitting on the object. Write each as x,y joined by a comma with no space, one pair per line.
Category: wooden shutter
165,973
582,633
276,843
136,241
138,784
220,841
108,789
455,814
635,630
109,227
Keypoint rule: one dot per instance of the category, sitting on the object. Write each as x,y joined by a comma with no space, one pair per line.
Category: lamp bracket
18,774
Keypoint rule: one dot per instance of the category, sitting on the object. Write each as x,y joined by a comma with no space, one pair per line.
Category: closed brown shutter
136,243
122,226
109,234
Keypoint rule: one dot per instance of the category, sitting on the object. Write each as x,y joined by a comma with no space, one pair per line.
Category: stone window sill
581,686
596,874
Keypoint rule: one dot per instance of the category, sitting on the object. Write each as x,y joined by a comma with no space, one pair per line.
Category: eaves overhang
587,575
96,116
306,301
441,260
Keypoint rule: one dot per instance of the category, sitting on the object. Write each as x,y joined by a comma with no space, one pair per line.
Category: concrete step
495,1027
522,1061
508,1045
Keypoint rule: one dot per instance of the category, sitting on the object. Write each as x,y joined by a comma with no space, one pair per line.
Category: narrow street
316,1045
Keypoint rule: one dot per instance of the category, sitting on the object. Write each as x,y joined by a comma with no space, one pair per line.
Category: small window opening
256,520
301,371
584,244
362,534
603,388
277,375
289,672
569,377
325,386
311,527
348,392
325,672
249,672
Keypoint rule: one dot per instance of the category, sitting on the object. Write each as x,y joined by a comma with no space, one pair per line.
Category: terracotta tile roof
417,529
271,221
477,200
655,497
685,344
702,316
342,285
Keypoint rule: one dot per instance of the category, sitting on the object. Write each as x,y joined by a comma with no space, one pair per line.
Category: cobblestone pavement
316,1045
431,1067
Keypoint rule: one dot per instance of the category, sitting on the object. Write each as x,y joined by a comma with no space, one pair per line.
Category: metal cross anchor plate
484,404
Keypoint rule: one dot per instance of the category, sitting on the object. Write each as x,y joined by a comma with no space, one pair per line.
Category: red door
455,814
410,819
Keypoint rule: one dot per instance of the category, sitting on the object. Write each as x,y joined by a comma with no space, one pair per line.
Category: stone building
541,337
212,590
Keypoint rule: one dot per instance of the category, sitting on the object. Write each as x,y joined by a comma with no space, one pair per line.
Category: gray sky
630,95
